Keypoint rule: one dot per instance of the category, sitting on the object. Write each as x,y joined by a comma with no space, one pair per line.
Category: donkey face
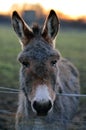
39,61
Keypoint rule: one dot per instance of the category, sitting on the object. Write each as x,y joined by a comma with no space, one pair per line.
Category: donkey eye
26,64
53,62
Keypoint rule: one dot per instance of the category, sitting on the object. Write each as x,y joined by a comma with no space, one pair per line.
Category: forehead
38,49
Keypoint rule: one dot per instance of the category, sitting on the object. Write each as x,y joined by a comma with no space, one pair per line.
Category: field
71,44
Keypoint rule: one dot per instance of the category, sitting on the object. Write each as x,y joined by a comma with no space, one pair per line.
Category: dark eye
26,64
53,62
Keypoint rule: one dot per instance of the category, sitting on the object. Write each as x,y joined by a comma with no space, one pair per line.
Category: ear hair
23,31
51,25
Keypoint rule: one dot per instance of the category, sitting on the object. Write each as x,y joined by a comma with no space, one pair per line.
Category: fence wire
16,91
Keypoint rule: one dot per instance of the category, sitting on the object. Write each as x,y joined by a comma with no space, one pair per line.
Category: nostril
42,108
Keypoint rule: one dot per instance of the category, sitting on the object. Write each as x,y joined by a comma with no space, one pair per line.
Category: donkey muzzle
42,102
42,109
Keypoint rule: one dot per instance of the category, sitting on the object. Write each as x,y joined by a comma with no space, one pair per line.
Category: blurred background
71,41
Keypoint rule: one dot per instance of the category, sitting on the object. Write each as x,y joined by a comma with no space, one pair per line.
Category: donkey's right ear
23,31
51,25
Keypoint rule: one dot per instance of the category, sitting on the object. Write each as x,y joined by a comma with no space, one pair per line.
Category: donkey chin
42,103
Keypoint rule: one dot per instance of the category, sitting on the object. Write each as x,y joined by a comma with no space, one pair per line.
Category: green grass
9,49
72,45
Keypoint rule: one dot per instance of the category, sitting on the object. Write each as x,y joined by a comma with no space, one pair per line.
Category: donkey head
39,61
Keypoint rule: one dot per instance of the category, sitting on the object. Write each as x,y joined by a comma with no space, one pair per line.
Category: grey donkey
44,74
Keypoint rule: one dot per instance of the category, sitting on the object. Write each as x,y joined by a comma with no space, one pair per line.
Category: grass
9,49
70,43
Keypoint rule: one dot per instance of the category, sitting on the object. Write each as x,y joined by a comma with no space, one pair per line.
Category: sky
73,8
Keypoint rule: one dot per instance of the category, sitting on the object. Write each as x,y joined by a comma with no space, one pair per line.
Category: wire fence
6,90
16,91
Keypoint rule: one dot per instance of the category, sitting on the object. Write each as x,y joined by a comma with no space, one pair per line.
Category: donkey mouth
42,114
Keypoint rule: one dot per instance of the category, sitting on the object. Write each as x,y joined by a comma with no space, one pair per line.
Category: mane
36,29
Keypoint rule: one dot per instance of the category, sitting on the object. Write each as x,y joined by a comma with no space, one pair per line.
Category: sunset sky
72,8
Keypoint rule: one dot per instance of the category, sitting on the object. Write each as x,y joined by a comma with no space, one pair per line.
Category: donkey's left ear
51,25
23,31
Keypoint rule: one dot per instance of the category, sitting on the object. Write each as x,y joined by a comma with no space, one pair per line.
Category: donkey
44,74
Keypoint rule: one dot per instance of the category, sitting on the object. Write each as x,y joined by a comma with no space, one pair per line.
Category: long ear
51,25
23,31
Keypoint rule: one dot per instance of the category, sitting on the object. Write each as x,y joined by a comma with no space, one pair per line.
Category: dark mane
36,29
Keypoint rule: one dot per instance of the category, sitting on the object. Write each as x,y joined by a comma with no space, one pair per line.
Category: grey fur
64,79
